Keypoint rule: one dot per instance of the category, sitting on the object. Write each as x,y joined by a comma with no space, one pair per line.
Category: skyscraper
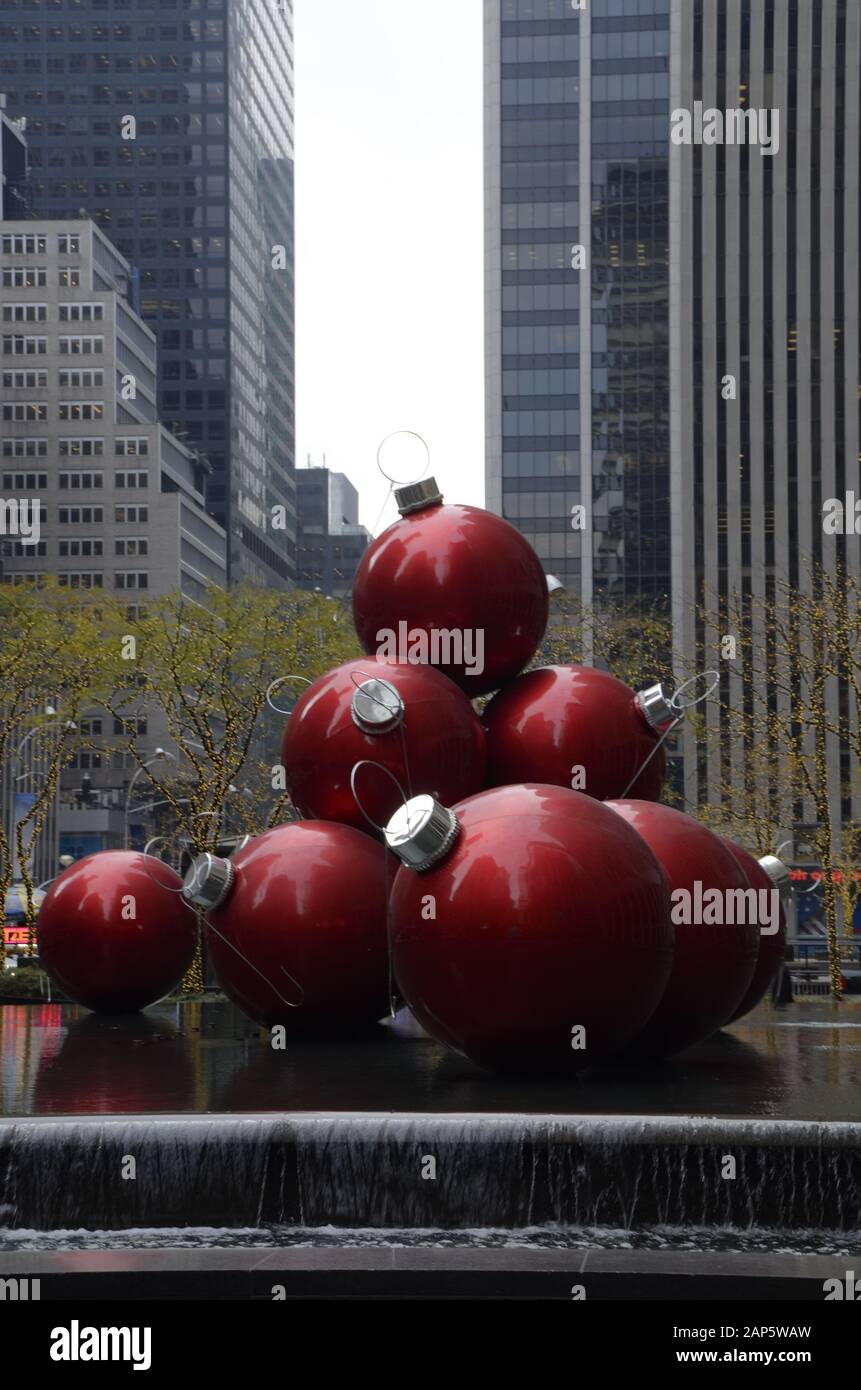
331,541
672,328
173,129
577,248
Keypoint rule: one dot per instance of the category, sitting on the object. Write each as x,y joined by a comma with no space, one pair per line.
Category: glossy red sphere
454,570
772,946
114,933
714,962
438,746
549,914
549,724
301,939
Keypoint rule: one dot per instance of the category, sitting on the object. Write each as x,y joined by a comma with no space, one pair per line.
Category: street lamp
158,756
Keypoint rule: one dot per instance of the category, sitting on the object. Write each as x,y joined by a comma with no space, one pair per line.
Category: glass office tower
170,122
577,258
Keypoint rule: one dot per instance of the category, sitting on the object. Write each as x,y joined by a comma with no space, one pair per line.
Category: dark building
331,542
13,165
172,127
578,288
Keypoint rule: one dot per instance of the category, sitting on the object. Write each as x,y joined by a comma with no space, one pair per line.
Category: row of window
104,63
76,516
77,481
84,547
19,379
38,313
36,244
26,346
28,412
129,446
191,29
29,277
129,98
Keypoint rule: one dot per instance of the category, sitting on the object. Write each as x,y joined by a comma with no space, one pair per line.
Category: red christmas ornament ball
445,575
714,961
546,915
297,926
411,720
772,946
574,726
114,932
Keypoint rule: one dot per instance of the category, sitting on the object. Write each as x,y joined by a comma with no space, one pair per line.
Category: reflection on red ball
714,962
301,938
450,574
548,914
113,934
437,746
548,724
772,948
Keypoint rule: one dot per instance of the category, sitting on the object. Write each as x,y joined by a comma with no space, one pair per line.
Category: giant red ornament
714,962
453,587
297,924
408,719
114,932
529,912
574,726
770,876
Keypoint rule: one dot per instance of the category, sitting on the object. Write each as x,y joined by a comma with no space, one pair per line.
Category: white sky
389,239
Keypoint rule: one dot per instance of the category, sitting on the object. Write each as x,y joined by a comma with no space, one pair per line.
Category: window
70,277
131,579
90,728
72,347
126,727
25,313
131,516
17,381
82,448
22,551
81,516
24,448
131,479
25,412
82,410
81,481
90,547
25,480
68,244
130,445
81,313
25,347
17,580
24,277
85,759
82,376
17,244
131,546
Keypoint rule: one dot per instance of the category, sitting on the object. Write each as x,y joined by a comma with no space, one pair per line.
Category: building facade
577,288
172,127
13,165
120,500
672,328
331,542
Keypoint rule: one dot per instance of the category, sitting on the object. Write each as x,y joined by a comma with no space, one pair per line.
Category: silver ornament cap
555,586
414,497
779,875
421,832
656,708
377,707
208,881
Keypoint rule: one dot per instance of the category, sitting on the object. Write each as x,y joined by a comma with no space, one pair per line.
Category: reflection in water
802,1062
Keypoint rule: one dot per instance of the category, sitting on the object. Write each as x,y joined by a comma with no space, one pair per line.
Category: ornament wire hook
148,857
402,482
282,680
681,707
